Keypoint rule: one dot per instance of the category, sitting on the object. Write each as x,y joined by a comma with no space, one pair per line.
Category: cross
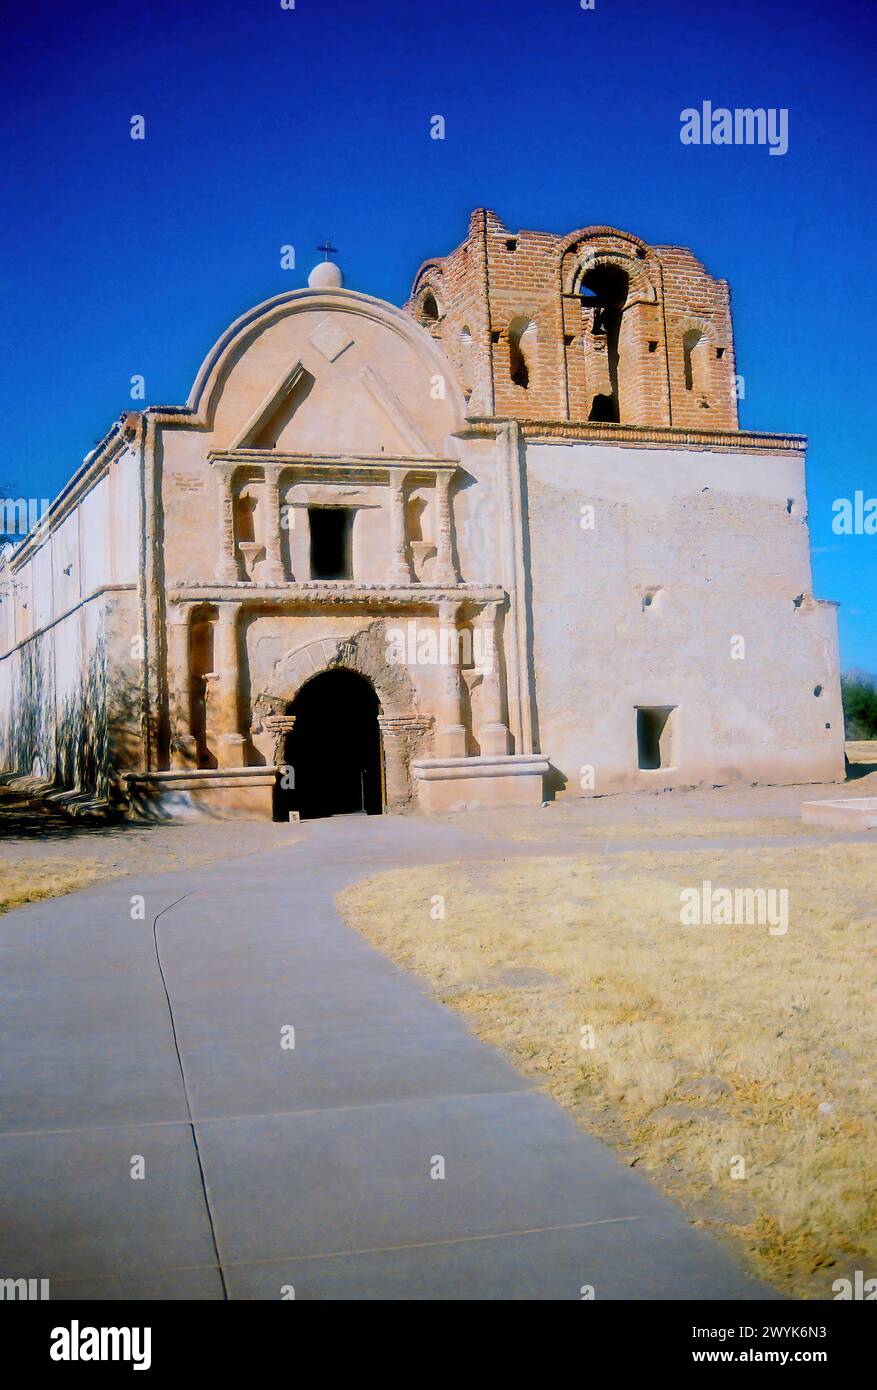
328,249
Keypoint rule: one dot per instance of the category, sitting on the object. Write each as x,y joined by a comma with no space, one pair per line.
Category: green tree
860,707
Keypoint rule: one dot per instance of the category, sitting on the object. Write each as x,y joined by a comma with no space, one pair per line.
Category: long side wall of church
678,583
70,655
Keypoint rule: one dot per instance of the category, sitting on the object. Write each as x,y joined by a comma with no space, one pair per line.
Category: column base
493,739
184,752
230,750
450,741
400,574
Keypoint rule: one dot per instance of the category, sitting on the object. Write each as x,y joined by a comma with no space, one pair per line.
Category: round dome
326,275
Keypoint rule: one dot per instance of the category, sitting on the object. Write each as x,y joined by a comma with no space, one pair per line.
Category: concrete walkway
268,1167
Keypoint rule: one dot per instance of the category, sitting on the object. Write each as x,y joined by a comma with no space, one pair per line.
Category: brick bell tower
594,325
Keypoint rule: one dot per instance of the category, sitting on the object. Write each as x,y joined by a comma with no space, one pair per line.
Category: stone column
451,731
224,732
444,564
274,571
399,735
184,752
492,732
400,570
227,567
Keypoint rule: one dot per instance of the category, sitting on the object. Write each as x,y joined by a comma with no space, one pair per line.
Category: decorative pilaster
445,572
451,731
223,705
184,751
274,571
227,567
400,733
492,732
400,569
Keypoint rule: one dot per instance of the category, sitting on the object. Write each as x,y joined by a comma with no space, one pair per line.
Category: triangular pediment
271,417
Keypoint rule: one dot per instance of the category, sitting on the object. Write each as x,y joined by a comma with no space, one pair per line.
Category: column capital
227,614
179,614
225,468
400,725
448,610
487,614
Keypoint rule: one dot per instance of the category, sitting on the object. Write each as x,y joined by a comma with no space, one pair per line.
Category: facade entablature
363,519
380,597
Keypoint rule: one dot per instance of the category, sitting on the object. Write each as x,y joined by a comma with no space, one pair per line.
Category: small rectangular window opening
654,737
330,529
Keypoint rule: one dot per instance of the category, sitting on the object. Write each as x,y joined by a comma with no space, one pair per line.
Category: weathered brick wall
524,342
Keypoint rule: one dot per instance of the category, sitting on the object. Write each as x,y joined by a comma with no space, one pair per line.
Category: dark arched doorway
334,751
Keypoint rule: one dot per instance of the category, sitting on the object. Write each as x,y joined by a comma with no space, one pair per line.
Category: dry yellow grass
710,1042
645,828
30,880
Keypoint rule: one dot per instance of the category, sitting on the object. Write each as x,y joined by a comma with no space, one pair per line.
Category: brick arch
429,272
429,287
641,284
364,653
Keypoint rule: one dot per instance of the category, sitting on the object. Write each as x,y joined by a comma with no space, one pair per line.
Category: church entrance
335,749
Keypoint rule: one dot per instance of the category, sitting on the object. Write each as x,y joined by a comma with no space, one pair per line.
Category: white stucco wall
722,539
54,650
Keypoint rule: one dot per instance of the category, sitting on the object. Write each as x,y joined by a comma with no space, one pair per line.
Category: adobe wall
689,550
69,660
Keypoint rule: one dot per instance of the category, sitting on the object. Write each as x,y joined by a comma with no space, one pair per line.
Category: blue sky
267,126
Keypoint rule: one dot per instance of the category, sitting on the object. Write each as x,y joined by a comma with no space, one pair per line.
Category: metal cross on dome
328,250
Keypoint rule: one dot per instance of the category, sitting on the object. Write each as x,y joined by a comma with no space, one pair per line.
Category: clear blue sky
266,126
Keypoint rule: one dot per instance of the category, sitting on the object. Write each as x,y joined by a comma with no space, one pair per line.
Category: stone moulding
647,436
214,794
335,592
497,765
455,784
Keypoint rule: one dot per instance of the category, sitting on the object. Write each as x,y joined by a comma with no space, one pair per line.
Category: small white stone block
330,339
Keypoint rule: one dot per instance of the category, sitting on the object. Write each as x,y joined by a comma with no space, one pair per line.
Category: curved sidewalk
268,1167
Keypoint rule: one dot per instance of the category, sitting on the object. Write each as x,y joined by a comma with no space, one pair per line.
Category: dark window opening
330,529
689,342
604,410
429,309
511,244
653,737
653,345
521,342
604,293
720,352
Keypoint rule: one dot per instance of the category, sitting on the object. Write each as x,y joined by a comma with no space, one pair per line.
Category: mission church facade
505,544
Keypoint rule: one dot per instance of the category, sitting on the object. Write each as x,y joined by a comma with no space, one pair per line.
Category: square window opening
654,737
330,529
